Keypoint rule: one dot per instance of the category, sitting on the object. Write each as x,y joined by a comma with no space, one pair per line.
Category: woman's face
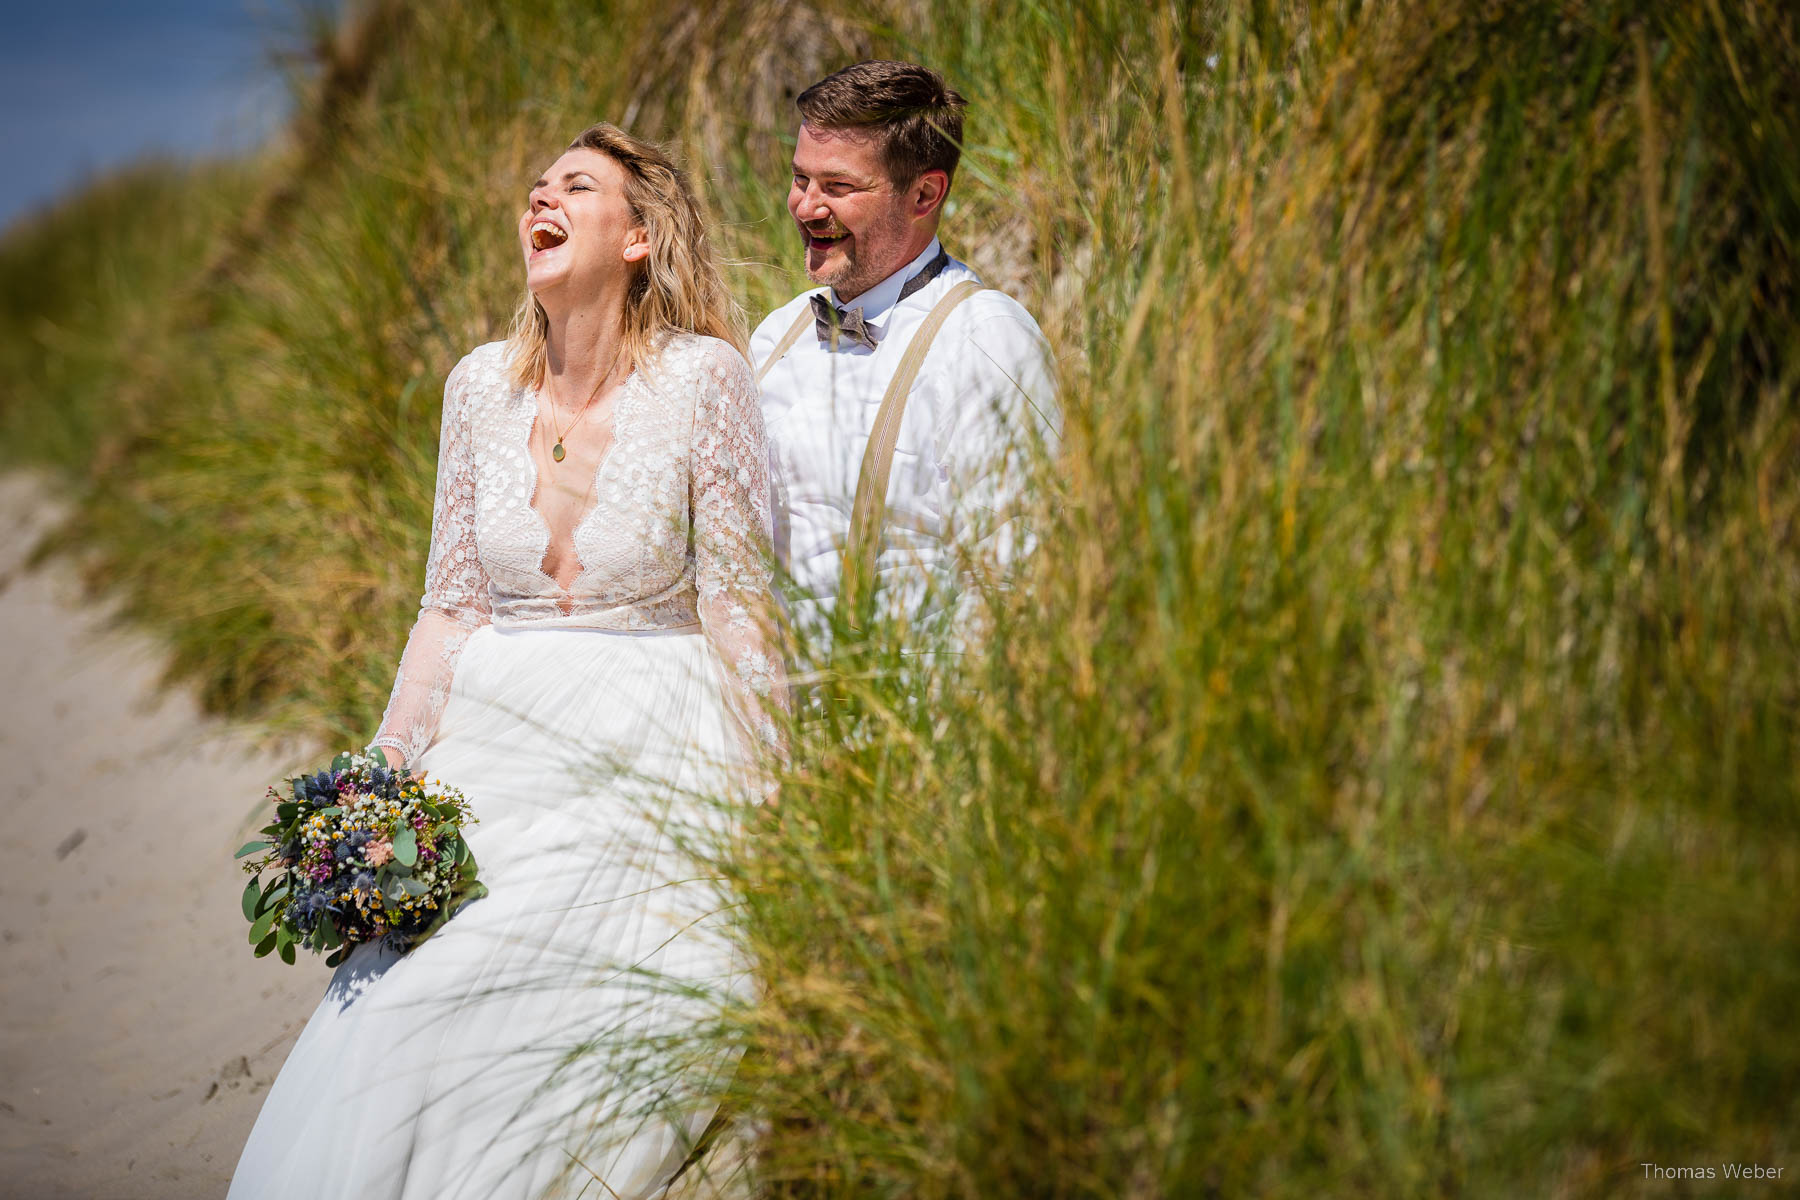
577,232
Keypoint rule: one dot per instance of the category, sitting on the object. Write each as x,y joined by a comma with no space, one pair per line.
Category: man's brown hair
918,117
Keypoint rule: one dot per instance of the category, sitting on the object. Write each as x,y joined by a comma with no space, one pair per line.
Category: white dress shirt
986,387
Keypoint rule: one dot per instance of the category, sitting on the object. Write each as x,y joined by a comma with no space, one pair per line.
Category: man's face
856,225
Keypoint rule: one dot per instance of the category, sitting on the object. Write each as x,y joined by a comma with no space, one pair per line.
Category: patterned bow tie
832,322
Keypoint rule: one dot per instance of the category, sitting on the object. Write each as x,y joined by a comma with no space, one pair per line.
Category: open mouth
545,234
825,240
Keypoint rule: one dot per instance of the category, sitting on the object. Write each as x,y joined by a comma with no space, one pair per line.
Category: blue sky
87,85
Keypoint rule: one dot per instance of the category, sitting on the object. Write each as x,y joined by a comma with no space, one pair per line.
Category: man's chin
827,265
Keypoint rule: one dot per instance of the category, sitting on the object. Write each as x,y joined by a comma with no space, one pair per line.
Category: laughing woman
596,590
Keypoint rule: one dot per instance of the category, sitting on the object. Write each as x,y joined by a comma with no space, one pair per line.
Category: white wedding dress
533,1046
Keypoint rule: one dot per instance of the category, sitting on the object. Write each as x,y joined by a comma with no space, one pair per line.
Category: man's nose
812,204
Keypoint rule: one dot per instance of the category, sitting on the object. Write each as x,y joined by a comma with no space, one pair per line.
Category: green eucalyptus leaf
414,887
406,846
338,956
259,929
250,848
252,899
286,950
276,890
263,947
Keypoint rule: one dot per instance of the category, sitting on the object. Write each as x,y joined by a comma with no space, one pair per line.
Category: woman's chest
612,505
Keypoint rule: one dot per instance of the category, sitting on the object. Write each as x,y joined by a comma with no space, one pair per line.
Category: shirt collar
878,301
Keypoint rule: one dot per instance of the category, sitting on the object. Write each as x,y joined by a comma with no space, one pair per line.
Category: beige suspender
863,545
869,509
787,340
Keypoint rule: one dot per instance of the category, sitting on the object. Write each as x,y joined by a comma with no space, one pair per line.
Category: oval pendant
556,452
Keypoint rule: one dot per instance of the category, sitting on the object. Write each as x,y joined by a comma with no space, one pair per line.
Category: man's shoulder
992,329
993,348
991,305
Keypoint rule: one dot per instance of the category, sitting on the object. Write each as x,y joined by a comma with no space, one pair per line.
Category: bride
596,588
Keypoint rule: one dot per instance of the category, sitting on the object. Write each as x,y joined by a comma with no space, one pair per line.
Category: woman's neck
583,348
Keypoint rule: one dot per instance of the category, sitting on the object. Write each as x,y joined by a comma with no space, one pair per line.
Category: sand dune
137,1034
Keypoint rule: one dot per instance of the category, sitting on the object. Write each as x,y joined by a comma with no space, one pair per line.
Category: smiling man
874,161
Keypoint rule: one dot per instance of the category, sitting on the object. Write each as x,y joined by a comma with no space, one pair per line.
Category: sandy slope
137,1034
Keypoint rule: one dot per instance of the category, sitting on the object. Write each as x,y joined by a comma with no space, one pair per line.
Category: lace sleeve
455,603
729,469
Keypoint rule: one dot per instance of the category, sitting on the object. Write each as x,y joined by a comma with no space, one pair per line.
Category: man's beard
830,276
857,274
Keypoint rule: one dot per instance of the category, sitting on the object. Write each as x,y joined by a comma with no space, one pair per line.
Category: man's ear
928,192
637,245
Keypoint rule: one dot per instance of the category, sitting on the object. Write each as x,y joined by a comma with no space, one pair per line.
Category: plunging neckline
567,593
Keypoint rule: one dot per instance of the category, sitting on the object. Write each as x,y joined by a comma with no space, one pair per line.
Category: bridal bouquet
361,852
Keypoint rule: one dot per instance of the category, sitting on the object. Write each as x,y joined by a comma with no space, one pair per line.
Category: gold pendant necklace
557,453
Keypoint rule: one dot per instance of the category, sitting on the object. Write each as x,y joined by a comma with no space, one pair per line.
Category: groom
873,164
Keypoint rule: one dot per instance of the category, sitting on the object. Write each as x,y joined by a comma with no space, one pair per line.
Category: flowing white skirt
532,1046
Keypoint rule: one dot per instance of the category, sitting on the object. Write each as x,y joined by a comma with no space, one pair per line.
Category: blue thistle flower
322,788
297,912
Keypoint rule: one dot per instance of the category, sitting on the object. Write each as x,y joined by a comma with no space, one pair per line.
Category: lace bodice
676,535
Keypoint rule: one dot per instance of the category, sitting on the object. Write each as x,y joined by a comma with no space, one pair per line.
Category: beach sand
138,1035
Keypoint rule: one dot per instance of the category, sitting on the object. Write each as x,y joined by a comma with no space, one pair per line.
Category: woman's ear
637,245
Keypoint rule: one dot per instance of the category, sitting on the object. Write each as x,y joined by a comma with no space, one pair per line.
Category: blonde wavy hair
677,286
